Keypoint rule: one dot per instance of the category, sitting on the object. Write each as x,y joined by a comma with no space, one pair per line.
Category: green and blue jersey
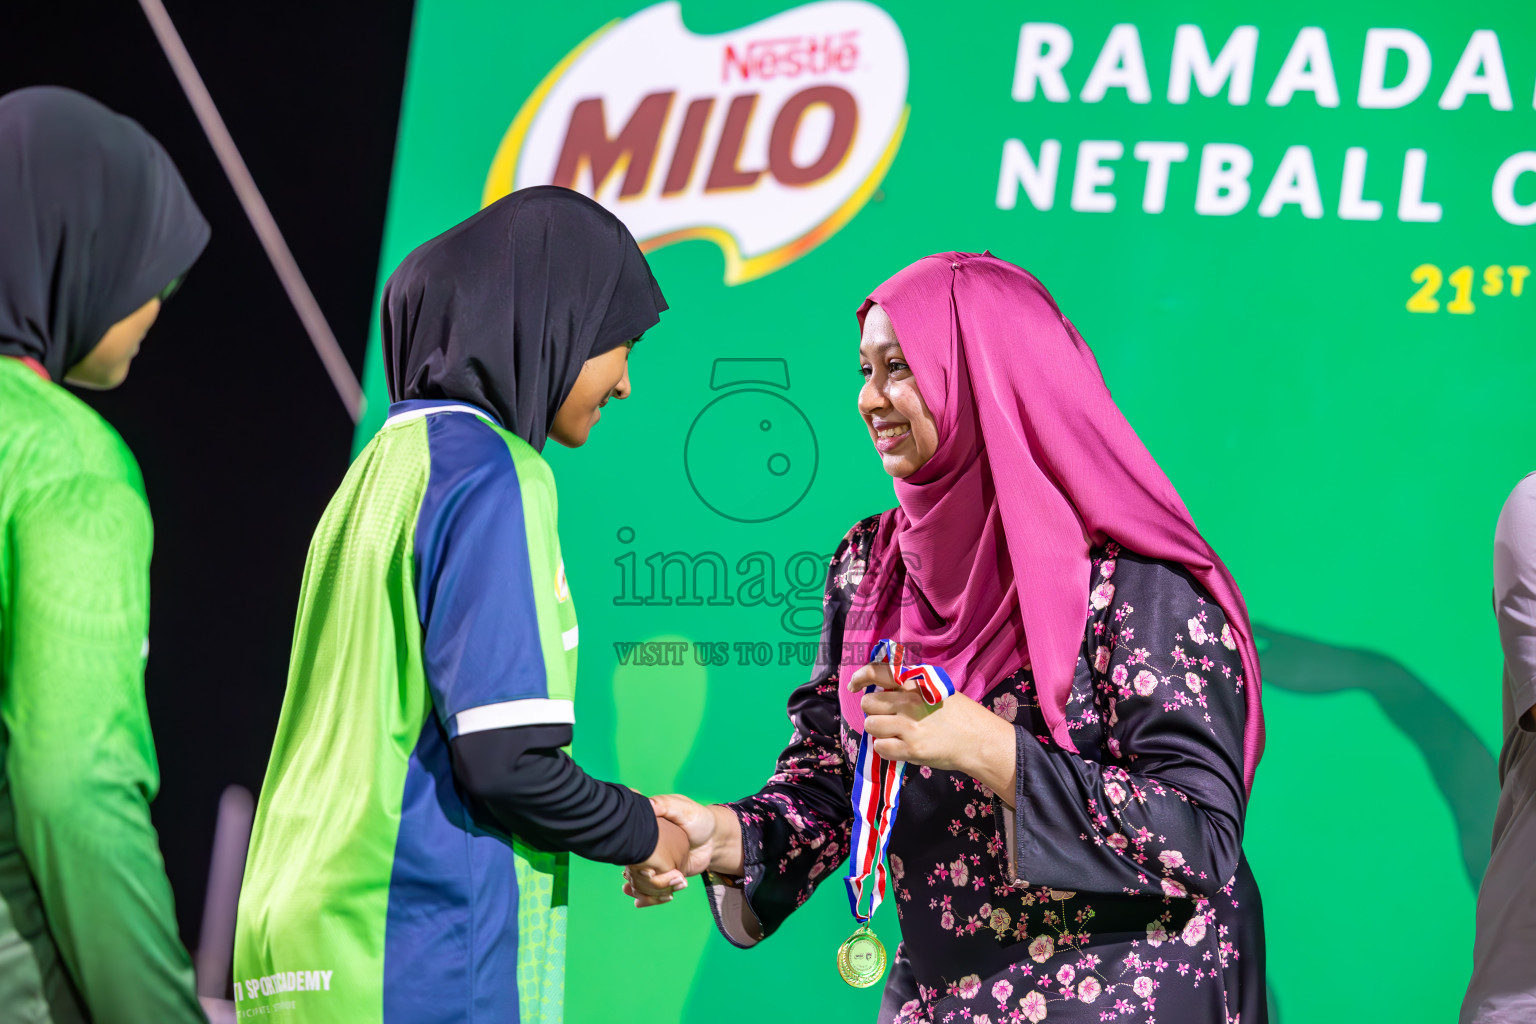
434,604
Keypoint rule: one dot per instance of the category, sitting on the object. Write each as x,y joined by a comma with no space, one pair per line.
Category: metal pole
216,942
342,377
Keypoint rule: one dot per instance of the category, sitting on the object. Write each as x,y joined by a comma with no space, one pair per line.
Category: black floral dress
1117,889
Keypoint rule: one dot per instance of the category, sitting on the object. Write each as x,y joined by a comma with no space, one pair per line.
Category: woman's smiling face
899,422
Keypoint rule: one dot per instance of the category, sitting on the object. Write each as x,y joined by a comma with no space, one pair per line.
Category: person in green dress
96,229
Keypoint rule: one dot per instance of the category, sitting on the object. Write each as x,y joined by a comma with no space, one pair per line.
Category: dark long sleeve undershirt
525,785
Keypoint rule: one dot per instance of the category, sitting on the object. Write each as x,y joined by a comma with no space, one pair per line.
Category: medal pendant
861,958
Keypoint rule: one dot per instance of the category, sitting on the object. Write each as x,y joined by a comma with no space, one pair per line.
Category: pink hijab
1035,466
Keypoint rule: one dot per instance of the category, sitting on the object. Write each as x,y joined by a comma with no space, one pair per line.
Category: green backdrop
1346,455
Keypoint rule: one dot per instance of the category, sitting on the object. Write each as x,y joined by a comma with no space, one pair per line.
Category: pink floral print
1126,897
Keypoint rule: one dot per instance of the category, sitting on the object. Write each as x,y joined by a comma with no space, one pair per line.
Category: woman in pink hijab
1068,845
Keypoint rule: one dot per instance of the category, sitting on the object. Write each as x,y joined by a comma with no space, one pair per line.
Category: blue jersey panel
474,585
450,941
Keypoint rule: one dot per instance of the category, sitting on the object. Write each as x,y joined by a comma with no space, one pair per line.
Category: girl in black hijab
431,687
96,229
505,309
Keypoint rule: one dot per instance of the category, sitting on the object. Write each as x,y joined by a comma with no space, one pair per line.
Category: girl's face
601,378
900,424
106,365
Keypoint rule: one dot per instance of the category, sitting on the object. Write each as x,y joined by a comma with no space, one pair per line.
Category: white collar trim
416,414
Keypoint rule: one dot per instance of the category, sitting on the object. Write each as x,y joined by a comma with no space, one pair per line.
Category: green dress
87,930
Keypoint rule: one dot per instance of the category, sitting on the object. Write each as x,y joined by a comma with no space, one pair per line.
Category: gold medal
861,958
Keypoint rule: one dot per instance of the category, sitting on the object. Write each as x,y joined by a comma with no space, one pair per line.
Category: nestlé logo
765,140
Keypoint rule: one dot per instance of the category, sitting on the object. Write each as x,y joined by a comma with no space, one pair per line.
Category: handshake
691,839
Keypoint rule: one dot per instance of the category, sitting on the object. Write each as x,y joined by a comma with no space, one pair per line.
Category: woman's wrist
994,760
725,852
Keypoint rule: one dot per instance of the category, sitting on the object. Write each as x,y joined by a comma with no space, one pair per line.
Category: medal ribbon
877,784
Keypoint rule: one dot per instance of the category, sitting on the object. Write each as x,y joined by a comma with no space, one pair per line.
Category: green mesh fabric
316,891
542,880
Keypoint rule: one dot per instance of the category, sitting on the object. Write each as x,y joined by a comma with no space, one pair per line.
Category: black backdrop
234,422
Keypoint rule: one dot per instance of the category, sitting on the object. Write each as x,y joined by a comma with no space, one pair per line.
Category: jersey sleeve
524,785
498,629
81,764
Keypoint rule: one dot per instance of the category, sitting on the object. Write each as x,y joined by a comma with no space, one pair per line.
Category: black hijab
502,310
94,222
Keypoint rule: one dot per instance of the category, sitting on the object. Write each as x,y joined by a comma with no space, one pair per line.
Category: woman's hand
957,735
714,844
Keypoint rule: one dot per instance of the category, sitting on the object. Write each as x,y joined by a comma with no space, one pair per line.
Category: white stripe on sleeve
531,711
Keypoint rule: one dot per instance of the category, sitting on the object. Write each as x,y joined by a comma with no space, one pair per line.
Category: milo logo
765,140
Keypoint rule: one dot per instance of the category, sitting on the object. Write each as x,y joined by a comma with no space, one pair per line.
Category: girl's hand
957,735
673,849
714,843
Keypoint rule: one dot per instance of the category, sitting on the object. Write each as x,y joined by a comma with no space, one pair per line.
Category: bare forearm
725,856
994,760
957,735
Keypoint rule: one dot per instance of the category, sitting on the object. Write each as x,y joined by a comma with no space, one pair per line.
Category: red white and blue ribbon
877,784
